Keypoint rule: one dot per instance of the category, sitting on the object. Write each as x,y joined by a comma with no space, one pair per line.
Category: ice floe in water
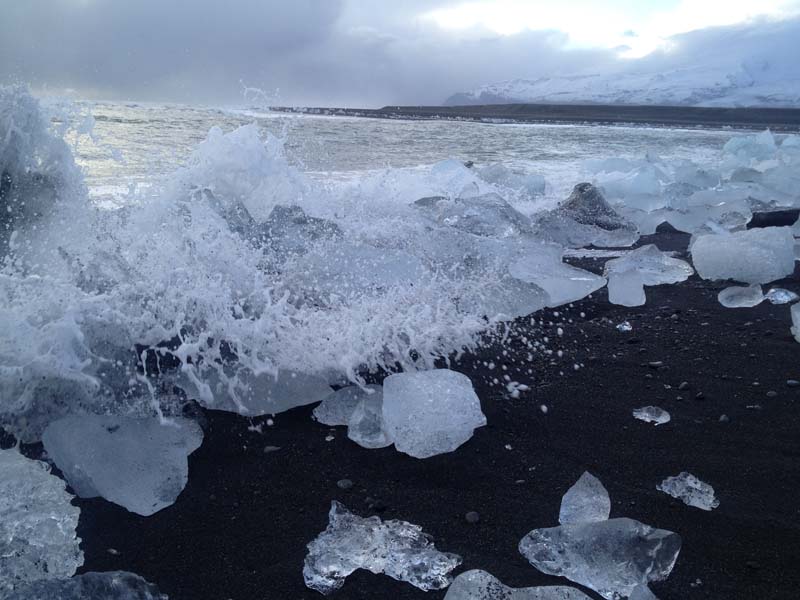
111,585
652,414
752,256
480,585
690,490
647,265
586,501
37,524
140,464
741,296
398,549
430,412
611,556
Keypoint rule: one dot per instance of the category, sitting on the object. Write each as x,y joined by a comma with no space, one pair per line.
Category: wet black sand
778,119
240,527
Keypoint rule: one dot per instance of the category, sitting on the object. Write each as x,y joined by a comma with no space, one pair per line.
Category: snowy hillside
751,65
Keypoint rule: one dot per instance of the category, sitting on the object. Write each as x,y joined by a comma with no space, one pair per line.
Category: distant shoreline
786,120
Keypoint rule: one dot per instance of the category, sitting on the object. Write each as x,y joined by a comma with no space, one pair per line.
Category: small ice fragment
626,288
586,501
140,464
624,327
689,489
781,296
430,412
37,524
395,548
644,266
611,557
741,296
111,585
480,585
366,427
652,414
337,408
795,328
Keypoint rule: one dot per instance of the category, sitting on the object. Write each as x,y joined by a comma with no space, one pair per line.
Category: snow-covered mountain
753,65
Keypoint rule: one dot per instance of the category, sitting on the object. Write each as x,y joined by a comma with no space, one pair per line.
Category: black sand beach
239,529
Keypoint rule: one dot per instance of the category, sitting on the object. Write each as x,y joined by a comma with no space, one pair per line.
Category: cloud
317,52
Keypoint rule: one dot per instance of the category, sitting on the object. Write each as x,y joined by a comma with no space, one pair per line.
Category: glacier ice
140,464
611,557
430,412
652,414
365,425
37,524
109,585
336,408
530,184
480,585
583,219
690,490
486,215
781,296
644,266
586,501
398,549
741,296
752,256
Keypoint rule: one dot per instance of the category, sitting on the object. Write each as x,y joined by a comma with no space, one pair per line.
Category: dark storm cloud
354,52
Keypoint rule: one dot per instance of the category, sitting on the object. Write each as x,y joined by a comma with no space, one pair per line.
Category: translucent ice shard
111,585
795,328
430,412
624,327
395,548
365,426
781,296
586,501
741,296
37,524
689,489
586,218
652,414
486,215
139,464
753,256
644,266
529,184
337,407
289,230
611,557
480,585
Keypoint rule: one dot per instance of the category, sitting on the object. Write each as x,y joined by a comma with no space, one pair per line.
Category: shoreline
782,120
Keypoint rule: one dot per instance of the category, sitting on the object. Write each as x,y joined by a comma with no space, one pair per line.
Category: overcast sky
355,52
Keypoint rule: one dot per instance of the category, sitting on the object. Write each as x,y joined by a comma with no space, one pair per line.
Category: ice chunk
795,329
644,266
365,426
242,391
337,407
689,489
586,501
781,296
288,230
611,557
652,414
640,188
37,523
487,215
748,149
480,585
140,464
430,412
111,585
741,297
542,264
504,298
585,218
395,548
642,592
624,327
754,256
530,184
